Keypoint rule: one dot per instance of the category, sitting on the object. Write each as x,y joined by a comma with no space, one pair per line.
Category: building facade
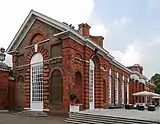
51,59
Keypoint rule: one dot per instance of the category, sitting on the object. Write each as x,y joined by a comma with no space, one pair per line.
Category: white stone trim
36,47
30,109
46,110
105,70
27,108
128,80
117,75
123,77
110,71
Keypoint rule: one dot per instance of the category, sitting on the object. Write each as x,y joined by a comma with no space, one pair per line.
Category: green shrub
72,96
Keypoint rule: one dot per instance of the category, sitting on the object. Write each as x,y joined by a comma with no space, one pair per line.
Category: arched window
56,87
116,88
109,86
78,86
91,84
20,93
37,81
37,38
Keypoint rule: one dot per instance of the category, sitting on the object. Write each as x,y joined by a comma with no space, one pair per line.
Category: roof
4,66
33,15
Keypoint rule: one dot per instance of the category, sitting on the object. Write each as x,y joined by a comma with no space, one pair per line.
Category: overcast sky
131,27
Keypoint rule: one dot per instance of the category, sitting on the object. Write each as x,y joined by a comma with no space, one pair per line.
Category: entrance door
91,85
37,83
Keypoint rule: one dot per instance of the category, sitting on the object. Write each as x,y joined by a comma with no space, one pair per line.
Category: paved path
6,118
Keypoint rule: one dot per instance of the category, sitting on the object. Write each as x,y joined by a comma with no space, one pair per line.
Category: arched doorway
20,99
78,86
36,86
56,89
91,84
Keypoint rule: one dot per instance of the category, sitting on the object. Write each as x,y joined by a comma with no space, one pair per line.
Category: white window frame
116,89
37,82
91,84
109,89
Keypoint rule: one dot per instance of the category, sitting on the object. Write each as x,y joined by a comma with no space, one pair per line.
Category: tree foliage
156,79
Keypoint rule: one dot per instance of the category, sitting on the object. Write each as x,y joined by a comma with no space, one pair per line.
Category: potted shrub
72,97
73,106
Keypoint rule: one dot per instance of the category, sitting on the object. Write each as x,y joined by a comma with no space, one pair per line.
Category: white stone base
74,108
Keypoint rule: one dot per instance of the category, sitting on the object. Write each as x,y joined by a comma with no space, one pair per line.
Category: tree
156,79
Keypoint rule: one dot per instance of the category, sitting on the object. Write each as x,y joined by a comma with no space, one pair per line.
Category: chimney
97,39
84,29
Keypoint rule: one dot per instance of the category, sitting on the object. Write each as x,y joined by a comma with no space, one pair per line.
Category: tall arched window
91,84
20,93
78,86
37,82
109,86
116,88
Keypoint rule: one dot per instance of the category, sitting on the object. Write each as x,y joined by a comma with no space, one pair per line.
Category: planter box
128,106
76,108
151,108
140,107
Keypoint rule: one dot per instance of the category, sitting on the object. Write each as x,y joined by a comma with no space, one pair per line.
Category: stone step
82,122
105,118
102,117
94,119
32,113
107,121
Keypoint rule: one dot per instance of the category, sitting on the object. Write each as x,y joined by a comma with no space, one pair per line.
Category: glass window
37,82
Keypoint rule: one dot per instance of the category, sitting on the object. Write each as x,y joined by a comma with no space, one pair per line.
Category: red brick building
138,83
6,84
52,59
